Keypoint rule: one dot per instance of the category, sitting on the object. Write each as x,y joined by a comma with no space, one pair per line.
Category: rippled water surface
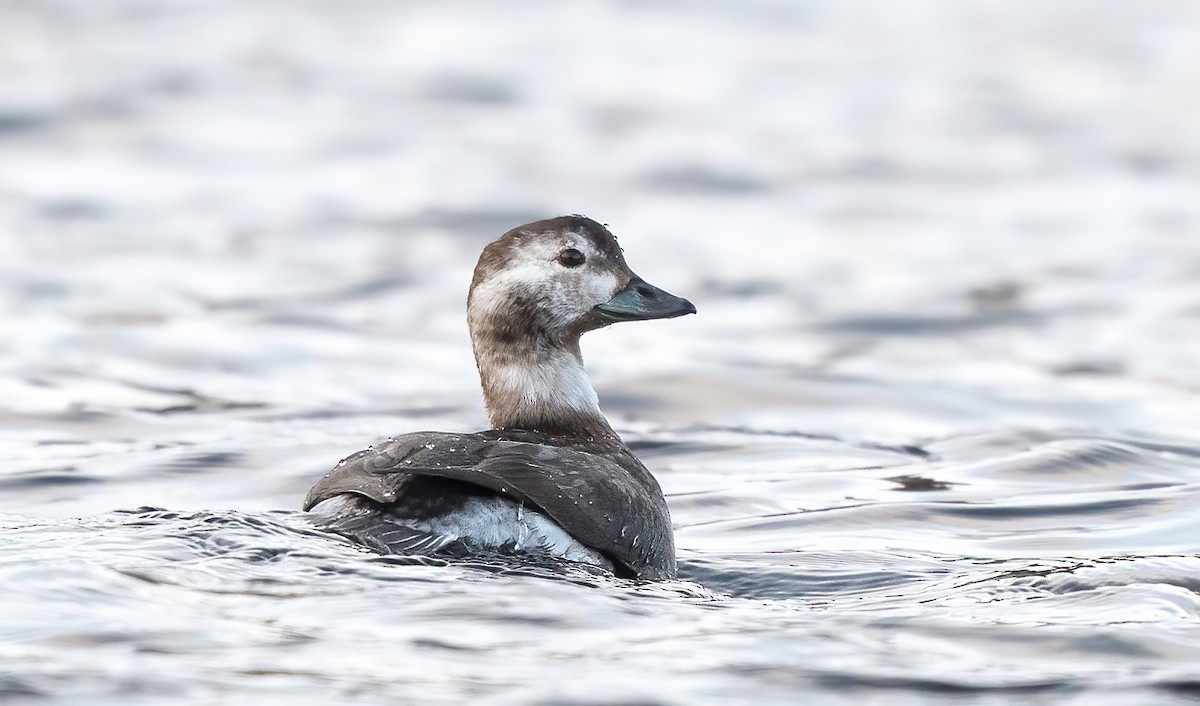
931,439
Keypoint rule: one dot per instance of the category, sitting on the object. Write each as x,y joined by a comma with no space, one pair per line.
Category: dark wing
608,502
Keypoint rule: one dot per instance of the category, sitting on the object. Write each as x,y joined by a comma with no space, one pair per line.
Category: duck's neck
539,387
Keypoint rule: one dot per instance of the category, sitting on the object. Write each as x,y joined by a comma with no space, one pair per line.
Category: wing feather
608,501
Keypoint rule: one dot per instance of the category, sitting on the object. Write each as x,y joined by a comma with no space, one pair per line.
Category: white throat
545,390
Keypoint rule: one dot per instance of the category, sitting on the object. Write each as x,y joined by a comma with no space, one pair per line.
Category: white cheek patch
599,287
577,290
570,294
564,293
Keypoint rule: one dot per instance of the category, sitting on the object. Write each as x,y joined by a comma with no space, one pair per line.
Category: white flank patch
501,524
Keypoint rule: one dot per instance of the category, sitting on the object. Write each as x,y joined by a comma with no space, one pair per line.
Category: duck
550,477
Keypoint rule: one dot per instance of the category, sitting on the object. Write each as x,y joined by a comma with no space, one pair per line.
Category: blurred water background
931,439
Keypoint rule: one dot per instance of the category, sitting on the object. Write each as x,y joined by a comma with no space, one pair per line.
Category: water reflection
932,439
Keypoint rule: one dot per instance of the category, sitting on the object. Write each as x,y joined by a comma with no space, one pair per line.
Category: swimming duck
551,476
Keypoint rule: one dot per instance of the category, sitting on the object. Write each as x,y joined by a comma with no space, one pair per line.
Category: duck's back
579,499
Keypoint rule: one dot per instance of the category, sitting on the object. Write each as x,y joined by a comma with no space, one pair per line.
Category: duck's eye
571,258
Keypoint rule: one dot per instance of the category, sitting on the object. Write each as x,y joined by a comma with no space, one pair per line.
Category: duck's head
535,291
555,279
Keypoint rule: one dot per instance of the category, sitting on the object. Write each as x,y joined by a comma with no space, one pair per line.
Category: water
931,438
